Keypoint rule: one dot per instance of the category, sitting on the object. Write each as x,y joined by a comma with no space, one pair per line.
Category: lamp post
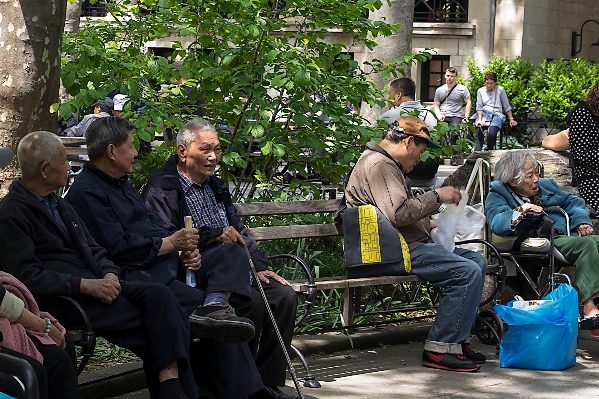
575,37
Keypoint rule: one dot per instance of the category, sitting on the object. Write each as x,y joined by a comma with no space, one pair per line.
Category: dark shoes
220,321
476,357
448,361
269,392
590,323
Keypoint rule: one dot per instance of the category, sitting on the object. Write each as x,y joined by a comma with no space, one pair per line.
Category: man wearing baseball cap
378,179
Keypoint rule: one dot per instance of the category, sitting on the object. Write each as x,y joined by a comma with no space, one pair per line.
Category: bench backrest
290,208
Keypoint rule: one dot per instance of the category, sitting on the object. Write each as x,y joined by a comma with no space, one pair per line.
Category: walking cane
274,324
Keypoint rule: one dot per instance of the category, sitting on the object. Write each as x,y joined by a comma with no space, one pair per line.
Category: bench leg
350,304
309,379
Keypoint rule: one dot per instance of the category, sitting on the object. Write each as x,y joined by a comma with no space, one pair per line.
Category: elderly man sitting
518,190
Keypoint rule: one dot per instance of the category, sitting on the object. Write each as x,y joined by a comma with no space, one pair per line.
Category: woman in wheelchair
517,190
38,338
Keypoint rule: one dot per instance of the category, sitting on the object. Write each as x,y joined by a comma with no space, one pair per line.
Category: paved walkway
380,369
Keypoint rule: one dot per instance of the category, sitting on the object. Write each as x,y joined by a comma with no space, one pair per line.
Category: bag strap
448,94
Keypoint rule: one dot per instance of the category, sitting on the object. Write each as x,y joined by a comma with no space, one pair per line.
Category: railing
98,9
440,10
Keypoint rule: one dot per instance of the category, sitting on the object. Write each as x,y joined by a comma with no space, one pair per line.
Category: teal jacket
502,200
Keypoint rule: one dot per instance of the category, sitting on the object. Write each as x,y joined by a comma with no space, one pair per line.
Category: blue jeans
461,274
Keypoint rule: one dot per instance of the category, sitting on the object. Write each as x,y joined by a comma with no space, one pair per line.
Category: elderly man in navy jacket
186,186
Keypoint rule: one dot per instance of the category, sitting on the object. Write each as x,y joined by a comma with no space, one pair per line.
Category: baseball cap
414,126
119,101
105,105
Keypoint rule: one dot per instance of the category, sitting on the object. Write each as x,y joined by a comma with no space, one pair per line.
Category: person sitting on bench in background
378,179
48,248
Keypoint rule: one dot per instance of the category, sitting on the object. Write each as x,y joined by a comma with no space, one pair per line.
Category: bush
560,85
554,86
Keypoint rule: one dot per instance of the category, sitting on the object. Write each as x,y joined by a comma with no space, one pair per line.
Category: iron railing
98,9
440,10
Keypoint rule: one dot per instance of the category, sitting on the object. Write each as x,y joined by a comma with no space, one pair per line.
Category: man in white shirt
449,102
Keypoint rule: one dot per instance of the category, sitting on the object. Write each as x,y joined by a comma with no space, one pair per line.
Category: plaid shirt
205,211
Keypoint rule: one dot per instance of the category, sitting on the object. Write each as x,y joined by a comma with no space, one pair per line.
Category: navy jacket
502,200
35,249
117,217
164,196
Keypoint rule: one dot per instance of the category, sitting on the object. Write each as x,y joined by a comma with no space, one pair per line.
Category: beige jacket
378,180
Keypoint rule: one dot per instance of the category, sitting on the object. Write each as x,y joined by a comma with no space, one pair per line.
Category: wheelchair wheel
486,325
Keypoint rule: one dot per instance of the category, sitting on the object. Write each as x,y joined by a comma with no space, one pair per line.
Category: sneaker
448,361
476,357
220,321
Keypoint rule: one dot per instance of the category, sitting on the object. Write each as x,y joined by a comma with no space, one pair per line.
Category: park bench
409,296
352,287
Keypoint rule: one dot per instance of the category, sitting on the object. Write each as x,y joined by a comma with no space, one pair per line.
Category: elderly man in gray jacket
378,179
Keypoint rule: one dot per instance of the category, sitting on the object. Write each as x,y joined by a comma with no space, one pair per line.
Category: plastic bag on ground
542,338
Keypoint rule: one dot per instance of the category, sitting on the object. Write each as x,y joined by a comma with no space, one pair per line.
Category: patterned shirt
205,210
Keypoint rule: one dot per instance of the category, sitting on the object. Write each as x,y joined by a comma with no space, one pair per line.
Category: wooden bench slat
286,208
289,232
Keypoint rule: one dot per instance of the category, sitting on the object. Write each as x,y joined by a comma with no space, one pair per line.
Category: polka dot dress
584,146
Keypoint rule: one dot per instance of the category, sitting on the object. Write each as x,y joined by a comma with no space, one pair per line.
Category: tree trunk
73,18
30,40
391,47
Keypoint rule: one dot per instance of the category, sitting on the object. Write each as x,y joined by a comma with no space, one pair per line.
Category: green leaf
302,78
266,148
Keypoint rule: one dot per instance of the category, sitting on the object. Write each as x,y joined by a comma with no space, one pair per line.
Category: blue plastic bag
543,338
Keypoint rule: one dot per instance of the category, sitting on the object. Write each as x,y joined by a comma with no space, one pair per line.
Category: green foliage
260,67
561,85
150,162
554,86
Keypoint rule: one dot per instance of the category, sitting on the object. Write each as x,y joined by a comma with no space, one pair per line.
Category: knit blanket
15,335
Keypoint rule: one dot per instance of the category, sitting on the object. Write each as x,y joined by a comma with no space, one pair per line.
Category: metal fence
441,11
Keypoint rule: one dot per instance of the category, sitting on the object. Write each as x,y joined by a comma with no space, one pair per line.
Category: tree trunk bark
73,18
30,41
391,47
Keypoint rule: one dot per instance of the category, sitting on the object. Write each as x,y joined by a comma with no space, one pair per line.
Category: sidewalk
387,364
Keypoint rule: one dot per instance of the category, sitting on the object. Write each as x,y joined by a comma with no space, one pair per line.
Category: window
440,10
432,76
98,9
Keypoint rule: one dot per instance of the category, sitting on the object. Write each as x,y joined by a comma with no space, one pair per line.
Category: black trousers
225,268
56,378
265,346
146,318
60,365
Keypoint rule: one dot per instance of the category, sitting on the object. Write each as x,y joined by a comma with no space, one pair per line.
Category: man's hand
105,289
185,239
584,230
191,260
230,236
449,195
266,275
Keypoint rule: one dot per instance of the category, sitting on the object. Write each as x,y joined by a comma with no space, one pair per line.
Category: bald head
35,149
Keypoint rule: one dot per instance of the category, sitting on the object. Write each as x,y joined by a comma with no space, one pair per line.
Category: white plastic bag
458,223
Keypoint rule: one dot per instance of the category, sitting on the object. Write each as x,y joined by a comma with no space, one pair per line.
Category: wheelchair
539,266
16,371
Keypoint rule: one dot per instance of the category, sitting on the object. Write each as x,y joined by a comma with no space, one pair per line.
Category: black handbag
372,247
